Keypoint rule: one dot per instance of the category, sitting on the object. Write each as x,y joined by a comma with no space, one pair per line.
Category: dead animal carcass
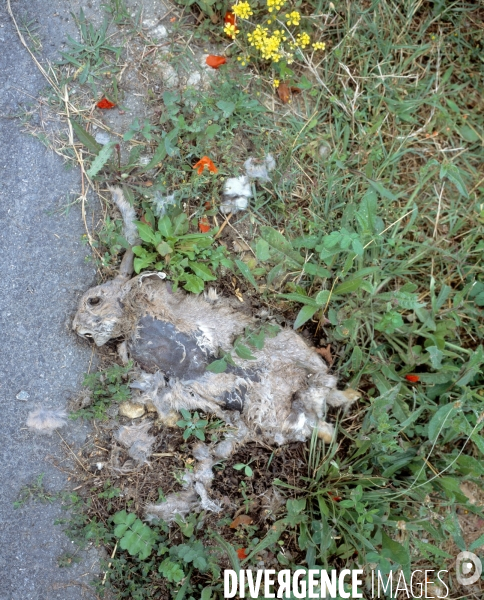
279,397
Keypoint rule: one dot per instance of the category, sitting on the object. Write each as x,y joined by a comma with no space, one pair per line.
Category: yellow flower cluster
243,60
268,45
231,31
293,18
303,40
319,45
275,4
242,10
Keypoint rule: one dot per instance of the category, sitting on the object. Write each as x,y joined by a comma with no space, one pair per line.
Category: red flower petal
203,224
215,61
105,103
230,18
412,378
241,553
205,162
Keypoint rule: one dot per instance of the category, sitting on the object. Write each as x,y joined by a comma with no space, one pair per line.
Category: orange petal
412,378
230,18
215,61
205,162
241,553
105,103
203,224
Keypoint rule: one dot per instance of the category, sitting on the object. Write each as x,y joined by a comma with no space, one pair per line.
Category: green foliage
245,466
134,536
193,425
34,492
244,345
91,56
105,387
189,258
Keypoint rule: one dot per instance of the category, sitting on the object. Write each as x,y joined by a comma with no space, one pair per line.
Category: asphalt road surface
43,271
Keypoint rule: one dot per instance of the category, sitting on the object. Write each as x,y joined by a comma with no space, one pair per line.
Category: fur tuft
46,420
128,213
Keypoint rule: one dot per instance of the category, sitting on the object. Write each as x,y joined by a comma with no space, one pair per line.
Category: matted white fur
46,420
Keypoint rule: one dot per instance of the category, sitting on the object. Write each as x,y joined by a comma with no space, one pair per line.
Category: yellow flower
293,18
319,45
231,31
242,10
276,83
303,40
275,4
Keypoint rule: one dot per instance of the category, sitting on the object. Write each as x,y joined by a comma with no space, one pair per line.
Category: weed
105,387
35,492
369,235
68,559
245,466
193,425
89,55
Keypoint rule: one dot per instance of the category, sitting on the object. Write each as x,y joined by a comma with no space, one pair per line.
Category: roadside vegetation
367,237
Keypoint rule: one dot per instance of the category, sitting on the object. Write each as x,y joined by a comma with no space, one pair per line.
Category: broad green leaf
316,270
146,233
243,351
100,160
452,173
304,315
165,227
164,248
202,271
439,420
212,131
194,284
295,297
347,287
390,322
278,242
436,356
158,156
217,366
180,224
383,191
322,297
395,551
169,141
244,269
85,137
226,106
262,250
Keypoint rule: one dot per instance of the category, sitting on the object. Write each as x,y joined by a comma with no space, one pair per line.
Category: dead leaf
326,354
283,92
148,183
241,520
240,246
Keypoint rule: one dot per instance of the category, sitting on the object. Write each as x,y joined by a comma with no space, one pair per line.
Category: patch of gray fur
46,420
206,502
260,170
137,440
179,503
128,213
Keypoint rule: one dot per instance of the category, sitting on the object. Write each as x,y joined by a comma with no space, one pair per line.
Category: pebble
23,395
102,138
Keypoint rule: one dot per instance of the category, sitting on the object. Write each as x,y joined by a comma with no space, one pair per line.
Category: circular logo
468,568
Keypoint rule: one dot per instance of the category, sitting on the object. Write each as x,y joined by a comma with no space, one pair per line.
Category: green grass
373,244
